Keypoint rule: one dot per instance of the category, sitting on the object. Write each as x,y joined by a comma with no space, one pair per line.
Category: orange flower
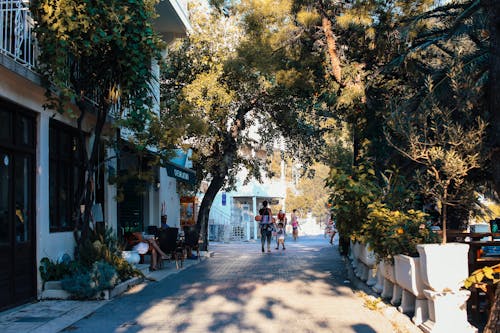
400,231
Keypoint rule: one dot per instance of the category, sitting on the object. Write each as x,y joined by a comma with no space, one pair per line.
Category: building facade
40,163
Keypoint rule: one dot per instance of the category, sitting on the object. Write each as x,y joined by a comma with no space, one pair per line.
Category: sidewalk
49,316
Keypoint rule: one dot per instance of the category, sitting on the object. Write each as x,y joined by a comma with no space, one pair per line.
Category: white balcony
16,32
18,42
173,20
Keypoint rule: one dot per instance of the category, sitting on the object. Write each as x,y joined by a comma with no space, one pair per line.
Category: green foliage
100,266
484,276
85,283
309,195
52,271
351,194
102,48
105,247
96,62
391,232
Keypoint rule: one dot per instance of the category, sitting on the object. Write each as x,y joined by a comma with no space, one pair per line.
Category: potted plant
394,236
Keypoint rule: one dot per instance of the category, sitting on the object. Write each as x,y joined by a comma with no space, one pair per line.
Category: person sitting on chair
143,246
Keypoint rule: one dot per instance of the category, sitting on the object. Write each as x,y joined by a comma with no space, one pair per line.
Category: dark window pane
5,161
53,194
64,196
65,170
65,144
76,149
22,193
53,142
24,131
5,126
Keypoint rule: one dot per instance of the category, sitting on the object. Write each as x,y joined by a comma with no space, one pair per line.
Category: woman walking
295,225
266,226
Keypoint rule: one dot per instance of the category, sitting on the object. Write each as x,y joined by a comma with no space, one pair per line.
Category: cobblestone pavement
301,289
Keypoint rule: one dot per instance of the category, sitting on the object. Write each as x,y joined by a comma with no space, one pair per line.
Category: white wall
110,205
51,245
168,194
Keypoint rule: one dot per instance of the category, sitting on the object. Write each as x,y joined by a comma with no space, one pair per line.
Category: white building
38,162
232,215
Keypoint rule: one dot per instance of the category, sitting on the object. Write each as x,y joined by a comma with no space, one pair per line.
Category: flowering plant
392,232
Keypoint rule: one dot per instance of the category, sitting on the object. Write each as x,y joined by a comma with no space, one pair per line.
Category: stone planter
356,250
54,290
369,268
408,276
444,266
379,285
447,312
391,289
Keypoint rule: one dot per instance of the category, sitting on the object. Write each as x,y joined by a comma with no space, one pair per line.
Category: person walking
333,229
281,219
266,226
280,235
295,225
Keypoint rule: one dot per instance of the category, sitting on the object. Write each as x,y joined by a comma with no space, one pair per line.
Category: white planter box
391,289
447,312
379,285
408,276
388,272
369,261
356,251
53,290
444,266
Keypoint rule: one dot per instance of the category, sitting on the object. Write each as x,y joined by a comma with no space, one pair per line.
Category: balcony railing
16,32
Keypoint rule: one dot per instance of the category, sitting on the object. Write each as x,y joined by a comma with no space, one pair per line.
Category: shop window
65,170
5,126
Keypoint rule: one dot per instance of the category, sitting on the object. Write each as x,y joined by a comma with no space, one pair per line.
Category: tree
225,79
478,23
443,140
97,55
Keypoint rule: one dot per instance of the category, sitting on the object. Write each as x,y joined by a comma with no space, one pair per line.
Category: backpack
266,217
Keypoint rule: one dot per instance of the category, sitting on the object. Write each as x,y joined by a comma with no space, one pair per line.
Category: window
65,171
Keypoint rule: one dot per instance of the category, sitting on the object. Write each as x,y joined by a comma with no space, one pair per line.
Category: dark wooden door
17,225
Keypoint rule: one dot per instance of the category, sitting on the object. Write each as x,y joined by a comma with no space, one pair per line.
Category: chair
167,240
192,240
152,230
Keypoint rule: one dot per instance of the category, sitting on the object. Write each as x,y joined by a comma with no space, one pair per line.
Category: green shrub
86,283
391,232
351,195
105,247
53,271
99,266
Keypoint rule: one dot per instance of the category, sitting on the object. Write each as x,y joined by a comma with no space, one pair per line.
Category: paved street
301,289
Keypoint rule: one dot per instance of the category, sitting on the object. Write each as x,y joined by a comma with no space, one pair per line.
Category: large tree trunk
493,8
493,325
204,211
85,195
332,49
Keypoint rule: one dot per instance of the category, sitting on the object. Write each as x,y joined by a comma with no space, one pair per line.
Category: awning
180,173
